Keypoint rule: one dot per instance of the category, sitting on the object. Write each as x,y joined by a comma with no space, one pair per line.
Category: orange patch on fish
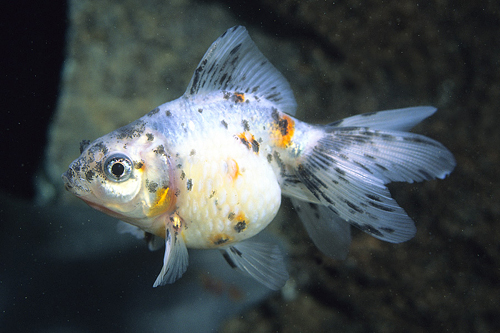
233,169
220,239
249,141
239,97
163,202
282,130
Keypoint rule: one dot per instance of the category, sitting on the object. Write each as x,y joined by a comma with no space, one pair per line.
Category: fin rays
346,170
175,261
233,63
261,261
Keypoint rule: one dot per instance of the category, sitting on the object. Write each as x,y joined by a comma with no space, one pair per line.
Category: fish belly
226,192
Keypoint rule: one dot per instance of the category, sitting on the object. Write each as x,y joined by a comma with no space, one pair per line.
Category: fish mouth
71,183
67,178
67,182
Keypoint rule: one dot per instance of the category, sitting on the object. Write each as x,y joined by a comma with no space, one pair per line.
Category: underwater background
78,69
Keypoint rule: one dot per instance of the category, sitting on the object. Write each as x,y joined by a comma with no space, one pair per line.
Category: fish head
127,174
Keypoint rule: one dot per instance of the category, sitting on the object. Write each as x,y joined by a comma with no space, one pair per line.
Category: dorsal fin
233,63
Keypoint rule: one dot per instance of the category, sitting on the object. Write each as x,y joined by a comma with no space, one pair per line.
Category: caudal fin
346,170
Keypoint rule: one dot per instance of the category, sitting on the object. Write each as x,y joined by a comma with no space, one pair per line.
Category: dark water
64,268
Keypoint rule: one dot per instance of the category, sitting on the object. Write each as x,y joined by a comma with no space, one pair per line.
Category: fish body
208,170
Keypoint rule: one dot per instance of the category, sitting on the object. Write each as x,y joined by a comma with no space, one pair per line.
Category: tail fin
347,168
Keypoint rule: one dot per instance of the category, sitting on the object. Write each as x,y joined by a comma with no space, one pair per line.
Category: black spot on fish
132,130
222,78
280,163
139,164
353,206
235,49
196,76
160,150
245,125
231,216
221,240
240,226
150,136
183,175
235,251
223,122
98,147
269,158
340,171
274,97
84,144
373,197
366,228
229,260
275,115
255,146
151,186
362,166
192,153
387,229
344,180
381,207
283,126
153,112
189,184
89,175
421,140
369,156
168,113
200,110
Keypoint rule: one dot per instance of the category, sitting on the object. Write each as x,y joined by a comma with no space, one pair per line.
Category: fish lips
72,184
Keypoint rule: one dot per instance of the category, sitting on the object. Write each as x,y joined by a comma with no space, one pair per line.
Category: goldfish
209,169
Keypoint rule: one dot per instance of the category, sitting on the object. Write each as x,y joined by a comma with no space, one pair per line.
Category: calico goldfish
208,170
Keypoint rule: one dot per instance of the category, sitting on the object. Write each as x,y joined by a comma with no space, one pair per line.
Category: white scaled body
230,193
208,170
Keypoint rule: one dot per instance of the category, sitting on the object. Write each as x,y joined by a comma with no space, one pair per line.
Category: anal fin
330,233
262,261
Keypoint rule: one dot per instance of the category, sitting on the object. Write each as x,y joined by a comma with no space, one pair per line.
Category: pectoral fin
261,261
175,261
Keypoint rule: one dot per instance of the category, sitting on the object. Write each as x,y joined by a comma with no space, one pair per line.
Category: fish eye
118,167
